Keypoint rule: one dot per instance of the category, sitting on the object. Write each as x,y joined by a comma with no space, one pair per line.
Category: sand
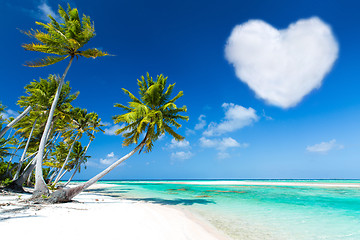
93,216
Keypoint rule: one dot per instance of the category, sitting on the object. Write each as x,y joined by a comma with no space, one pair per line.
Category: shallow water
259,212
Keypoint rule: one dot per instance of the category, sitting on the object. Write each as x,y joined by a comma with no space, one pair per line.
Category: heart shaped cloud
282,66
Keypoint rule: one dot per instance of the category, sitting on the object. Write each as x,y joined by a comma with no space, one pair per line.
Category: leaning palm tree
151,116
60,40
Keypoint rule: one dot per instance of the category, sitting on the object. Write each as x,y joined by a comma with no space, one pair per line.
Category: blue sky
263,103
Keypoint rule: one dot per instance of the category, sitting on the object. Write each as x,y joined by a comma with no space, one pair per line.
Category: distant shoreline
268,182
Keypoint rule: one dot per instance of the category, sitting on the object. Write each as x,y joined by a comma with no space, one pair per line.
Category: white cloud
109,159
111,130
161,137
179,144
181,155
265,116
9,113
202,122
221,144
324,147
223,155
282,66
189,132
236,117
46,10
105,123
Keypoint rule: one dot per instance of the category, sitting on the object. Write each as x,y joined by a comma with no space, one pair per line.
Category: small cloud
223,155
112,129
181,155
221,144
109,159
161,137
105,123
324,147
9,113
265,116
236,117
189,132
179,144
202,122
46,10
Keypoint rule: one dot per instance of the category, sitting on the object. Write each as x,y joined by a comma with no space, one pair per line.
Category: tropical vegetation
46,140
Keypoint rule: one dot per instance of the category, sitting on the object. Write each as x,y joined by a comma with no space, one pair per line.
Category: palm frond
45,61
155,114
93,53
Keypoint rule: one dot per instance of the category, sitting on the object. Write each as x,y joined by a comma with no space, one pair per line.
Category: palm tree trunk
29,178
66,160
40,185
13,122
65,195
77,169
24,152
62,175
79,164
53,175
17,184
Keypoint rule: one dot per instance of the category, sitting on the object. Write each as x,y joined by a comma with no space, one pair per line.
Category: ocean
253,209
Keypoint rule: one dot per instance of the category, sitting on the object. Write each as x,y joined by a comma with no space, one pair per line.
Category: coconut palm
153,115
82,122
79,158
60,40
96,125
57,158
40,95
4,148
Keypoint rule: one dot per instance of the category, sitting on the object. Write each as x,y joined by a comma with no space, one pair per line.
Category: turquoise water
259,212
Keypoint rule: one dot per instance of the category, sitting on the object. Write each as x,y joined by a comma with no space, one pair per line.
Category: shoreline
96,216
250,183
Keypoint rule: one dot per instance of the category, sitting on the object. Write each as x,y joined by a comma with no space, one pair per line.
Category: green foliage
40,95
5,182
78,155
2,109
62,39
154,113
4,179
44,197
4,148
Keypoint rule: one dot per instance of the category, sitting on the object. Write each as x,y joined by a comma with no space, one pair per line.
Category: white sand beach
93,216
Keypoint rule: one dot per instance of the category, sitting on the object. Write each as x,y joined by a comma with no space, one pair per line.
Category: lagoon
261,209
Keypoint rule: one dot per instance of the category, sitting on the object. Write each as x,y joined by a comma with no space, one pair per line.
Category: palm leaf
45,61
92,53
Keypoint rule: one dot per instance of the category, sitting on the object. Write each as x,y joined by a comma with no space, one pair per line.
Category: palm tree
79,158
4,148
57,158
153,115
96,125
63,40
81,121
40,95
